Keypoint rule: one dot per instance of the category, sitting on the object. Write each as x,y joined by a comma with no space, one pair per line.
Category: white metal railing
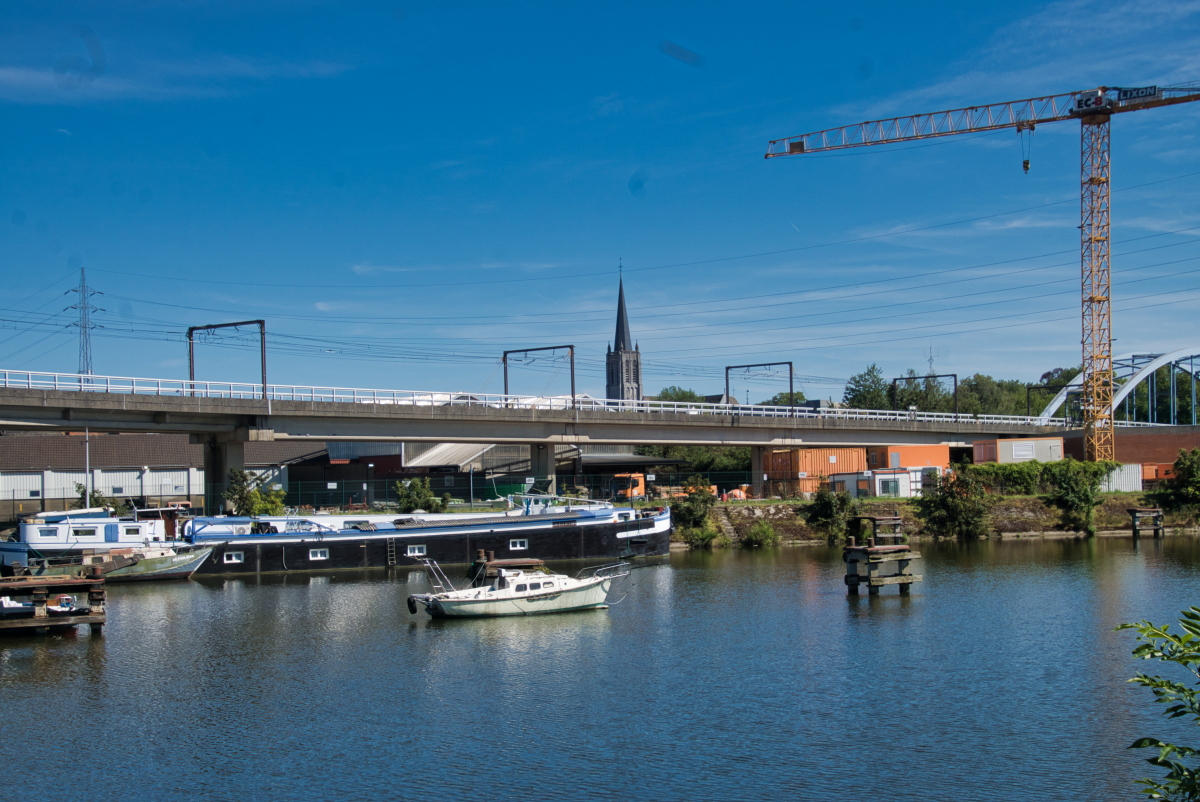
125,385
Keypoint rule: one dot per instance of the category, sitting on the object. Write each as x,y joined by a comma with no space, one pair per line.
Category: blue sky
405,191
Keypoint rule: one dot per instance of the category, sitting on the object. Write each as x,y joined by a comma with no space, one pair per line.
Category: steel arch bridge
1133,370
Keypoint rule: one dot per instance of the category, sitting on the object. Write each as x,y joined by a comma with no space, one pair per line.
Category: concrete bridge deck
224,416
233,412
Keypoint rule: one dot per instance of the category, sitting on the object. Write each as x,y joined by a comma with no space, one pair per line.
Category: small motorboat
516,587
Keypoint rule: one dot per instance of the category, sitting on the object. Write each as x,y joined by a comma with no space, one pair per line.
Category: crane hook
1026,151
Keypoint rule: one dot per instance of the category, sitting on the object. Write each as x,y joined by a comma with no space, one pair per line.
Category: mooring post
96,598
878,565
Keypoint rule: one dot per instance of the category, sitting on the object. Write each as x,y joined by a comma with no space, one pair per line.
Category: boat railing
437,577
528,501
609,570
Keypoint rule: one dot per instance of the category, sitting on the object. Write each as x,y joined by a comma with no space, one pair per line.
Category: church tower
624,361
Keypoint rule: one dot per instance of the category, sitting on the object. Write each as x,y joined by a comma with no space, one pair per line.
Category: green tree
1182,782
1181,492
829,512
414,494
96,499
781,400
867,390
247,494
1076,494
674,393
701,458
955,505
926,393
690,513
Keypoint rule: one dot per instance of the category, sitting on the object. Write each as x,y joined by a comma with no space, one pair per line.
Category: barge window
133,530
318,554
547,584
535,585
416,551
520,589
234,557
518,545
47,533
83,532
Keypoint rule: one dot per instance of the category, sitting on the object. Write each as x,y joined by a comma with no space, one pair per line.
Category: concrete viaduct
227,416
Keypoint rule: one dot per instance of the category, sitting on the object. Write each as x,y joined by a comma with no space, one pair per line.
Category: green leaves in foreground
1182,782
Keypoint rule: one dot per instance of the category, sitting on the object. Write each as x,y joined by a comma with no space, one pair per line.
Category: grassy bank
1010,515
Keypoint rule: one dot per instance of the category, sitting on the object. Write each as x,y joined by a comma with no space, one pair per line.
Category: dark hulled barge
248,546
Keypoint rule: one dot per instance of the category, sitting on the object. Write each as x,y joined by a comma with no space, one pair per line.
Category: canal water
725,676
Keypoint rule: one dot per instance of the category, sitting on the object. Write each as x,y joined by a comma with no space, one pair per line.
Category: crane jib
1140,93
1019,114
1093,109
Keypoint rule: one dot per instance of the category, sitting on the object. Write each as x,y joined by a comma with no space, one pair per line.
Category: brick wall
1158,445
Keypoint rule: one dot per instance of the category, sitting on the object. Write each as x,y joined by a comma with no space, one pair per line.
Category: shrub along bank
1008,515
967,504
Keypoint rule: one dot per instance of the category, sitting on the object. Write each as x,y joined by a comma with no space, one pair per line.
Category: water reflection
725,675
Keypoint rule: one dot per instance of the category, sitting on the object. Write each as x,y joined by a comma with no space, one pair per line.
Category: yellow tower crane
1094,109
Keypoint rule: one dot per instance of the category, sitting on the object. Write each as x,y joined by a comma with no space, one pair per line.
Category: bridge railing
126,385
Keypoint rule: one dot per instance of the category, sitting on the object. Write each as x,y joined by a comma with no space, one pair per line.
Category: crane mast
1094,109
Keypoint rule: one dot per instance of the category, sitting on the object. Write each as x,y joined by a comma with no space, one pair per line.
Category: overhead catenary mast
1094,109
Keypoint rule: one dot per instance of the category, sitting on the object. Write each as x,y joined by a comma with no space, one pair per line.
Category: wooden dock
1140,517
45,612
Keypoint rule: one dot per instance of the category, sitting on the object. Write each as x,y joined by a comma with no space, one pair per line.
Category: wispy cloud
212,75
608,104
368,269
1054,54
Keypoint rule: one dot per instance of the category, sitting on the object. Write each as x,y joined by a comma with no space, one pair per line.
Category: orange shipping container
815,462
908,456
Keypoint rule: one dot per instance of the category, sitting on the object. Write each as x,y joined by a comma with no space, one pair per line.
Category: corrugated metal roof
443,454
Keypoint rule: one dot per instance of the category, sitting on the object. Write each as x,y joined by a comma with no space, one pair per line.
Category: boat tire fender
412,605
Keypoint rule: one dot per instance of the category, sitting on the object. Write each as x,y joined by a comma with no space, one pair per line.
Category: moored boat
552,529
517,587
178,561
85,533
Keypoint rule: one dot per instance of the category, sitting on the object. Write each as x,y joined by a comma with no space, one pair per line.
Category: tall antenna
85,308
930,356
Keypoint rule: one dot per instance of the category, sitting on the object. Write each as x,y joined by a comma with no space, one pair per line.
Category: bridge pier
541,466
220,454
756,469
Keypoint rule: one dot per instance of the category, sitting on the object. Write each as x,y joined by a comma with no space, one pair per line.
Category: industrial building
39,472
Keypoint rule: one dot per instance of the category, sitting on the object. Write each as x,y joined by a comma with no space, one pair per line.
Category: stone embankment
1011,516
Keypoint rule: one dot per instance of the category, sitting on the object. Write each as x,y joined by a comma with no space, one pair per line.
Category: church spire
623,341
